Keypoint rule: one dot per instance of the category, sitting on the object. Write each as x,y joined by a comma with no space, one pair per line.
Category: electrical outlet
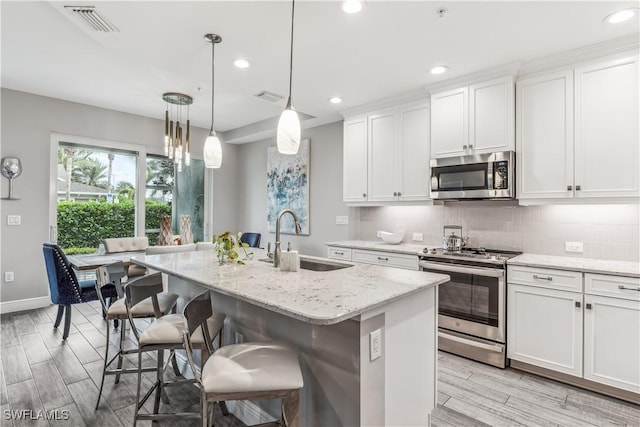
379,234
9,276
417,237
574,247
342,220
14,219
375,344
239,338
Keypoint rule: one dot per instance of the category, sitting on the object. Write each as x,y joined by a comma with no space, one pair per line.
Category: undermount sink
316,264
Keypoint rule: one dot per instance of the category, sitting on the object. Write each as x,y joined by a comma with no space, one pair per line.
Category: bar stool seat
168,330
263,366
118,310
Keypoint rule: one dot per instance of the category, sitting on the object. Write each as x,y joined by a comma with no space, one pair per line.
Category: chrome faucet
276,251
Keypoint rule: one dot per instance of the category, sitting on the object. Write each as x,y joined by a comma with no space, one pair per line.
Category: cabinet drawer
545,278
409,262
612,286
339,253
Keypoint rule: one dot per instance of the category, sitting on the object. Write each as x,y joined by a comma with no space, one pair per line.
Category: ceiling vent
265,95
91,17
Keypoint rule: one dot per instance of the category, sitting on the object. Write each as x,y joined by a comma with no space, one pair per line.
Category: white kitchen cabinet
544,327
413,173
612,331
473,119
386,155
369,256
383,153
355,160
450,122
544,140
577,132
606,129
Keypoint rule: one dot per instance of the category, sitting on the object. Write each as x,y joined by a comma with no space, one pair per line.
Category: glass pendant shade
212,152
288,138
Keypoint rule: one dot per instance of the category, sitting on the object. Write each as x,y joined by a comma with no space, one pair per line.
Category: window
160,191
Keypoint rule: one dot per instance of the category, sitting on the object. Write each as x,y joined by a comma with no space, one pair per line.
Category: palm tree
91,172
125,189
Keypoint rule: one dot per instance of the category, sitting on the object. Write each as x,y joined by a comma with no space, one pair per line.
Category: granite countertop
586,265
321,298
379,245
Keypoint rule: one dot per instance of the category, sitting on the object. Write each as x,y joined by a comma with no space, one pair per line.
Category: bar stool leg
160,382
104,367
121,352
137,408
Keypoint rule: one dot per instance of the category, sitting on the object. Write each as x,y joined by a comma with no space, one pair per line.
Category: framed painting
288,187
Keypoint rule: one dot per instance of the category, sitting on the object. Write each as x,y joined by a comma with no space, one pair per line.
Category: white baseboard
24,304
245,410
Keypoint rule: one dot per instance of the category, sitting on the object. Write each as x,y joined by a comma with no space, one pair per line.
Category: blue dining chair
65,287
251,239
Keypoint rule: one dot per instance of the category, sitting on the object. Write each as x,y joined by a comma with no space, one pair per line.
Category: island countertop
316,297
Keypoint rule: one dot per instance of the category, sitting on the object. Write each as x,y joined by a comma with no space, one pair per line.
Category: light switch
342,220
14,219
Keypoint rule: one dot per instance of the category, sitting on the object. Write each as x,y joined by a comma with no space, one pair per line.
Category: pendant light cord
213,88
293,8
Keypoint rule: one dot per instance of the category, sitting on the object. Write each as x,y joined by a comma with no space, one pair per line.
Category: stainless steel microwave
478,176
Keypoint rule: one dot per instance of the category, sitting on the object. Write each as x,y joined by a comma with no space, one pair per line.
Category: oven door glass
462,177
470,297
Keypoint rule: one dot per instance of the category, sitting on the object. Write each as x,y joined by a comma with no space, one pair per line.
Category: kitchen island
328,317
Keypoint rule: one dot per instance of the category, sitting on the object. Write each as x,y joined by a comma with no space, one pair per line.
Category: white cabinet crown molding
383,104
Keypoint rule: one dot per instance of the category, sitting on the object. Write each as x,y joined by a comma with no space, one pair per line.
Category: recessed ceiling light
241,63
620,16
439,69
335,100
352,6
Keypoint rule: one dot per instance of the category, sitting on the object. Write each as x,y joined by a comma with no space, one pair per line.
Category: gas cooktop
481,255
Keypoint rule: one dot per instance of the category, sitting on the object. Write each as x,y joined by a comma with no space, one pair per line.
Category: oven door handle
490,347
478,271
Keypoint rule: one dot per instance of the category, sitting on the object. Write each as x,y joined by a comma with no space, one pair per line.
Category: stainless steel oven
471,306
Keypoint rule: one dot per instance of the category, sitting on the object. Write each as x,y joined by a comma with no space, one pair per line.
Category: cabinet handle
470,146
464,147
628,289
364,194
588,306
339,253
395,193
577,304
535,276
577,188
383,259
569,187
399,193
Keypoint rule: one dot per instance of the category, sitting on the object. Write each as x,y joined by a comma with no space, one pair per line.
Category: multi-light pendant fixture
176,145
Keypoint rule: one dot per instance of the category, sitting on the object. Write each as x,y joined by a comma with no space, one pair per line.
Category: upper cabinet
473,119
577,132
386,155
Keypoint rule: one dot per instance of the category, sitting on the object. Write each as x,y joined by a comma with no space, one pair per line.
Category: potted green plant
228,247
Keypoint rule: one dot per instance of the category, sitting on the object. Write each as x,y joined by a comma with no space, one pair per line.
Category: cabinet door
544,328
449,123
382,175
606,129
414,152
612,342
355,160
491,116
544,136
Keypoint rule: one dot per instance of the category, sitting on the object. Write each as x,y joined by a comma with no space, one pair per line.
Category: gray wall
325,188
27,123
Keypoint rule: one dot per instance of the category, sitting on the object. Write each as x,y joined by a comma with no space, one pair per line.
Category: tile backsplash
607,231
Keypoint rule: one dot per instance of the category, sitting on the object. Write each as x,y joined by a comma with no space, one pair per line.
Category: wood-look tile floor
40,372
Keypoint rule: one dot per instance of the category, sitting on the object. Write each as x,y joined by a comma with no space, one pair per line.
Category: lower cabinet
592,333
544,328
612,332
367,256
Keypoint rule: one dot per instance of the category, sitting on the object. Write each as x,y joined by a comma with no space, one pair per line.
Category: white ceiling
385,50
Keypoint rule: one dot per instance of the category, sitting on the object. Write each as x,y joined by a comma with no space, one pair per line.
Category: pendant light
288,134
212,146
175,147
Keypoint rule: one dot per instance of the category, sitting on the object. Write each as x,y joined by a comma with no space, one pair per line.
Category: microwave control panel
501,175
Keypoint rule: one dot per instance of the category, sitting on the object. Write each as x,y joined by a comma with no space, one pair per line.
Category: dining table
93,261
